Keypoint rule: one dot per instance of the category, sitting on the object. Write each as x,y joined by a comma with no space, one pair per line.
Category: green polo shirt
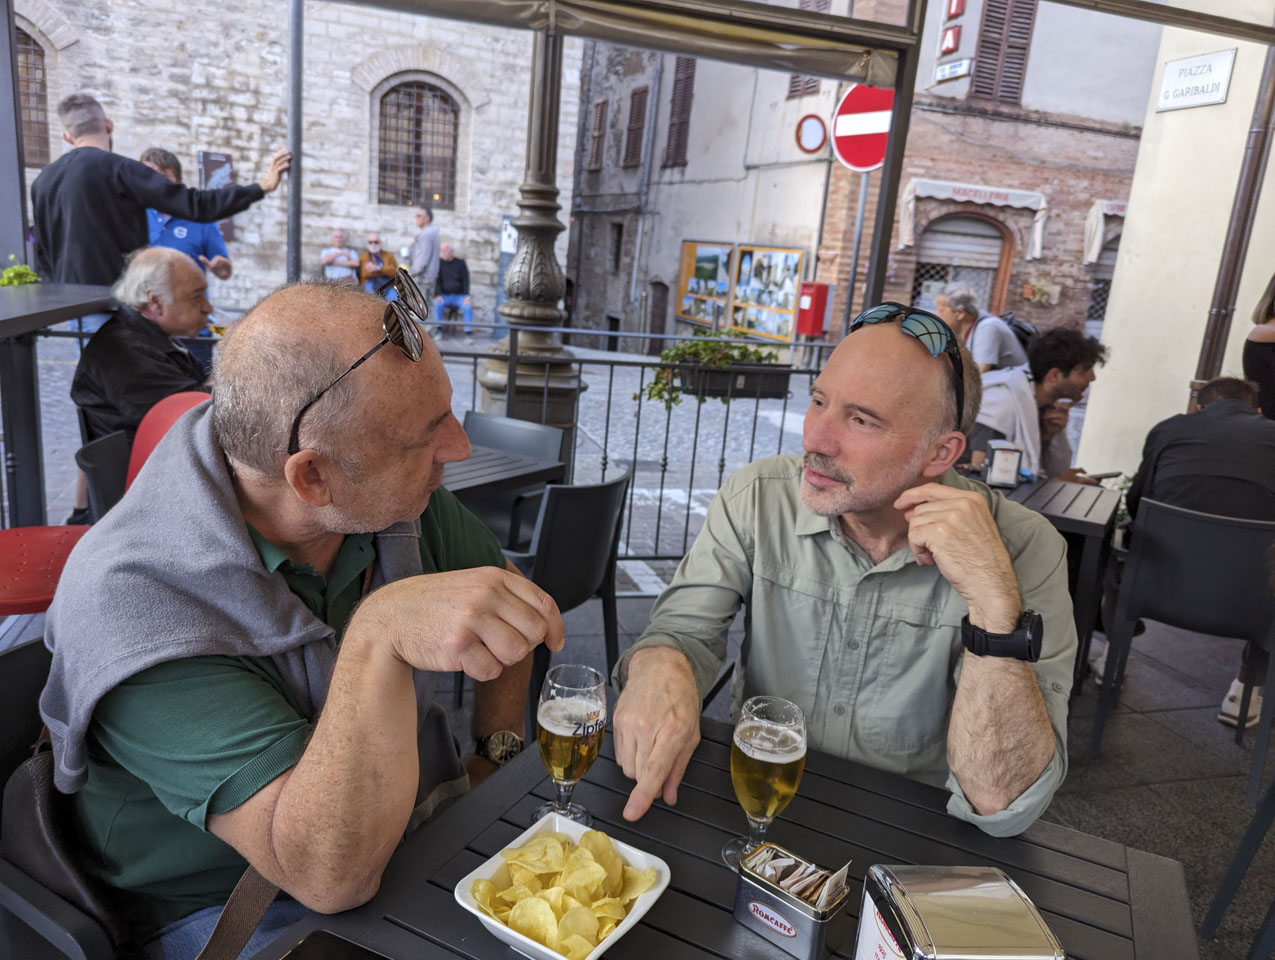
188,739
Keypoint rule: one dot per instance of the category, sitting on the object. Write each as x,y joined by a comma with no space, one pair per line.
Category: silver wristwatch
499,747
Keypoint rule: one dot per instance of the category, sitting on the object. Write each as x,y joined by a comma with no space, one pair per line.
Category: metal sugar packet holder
789,922
950,913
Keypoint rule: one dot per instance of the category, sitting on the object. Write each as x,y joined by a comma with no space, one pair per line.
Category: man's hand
218,266
953,530
280,162
1076,475
479,621
656,726
1053,420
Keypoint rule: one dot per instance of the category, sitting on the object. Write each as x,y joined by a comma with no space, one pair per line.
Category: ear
66,138
308,474
110,126
944,452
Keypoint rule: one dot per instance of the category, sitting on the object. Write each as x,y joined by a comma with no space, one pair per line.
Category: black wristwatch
499,747
1022,644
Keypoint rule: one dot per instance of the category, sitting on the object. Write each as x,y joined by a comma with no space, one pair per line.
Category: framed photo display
703,283
767,281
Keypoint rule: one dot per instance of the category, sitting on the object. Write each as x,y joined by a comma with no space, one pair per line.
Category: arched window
418,128
961,249
33,97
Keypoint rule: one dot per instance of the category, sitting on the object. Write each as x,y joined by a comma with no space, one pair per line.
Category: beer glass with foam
570,721
767,756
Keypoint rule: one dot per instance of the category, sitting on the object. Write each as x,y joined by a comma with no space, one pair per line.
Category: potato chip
605,926
578,921
534,918
603,850
553,897
575,948
636,883
609,907
483,891
583,876
522,874
512,895
543,854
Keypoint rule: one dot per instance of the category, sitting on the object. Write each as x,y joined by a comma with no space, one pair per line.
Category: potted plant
716,365
1040,290
17,273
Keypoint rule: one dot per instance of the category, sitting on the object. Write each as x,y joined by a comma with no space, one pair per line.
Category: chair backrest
105,465
576,539
535,440
1200,571
23,671
155,424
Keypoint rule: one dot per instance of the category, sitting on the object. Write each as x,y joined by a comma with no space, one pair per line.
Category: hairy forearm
346,804
999,738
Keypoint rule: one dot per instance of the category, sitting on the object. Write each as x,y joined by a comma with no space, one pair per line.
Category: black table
490,471
1087,513
25,309
1104,901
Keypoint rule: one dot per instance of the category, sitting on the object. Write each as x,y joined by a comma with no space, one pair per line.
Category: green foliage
718,350
17,273
1122,483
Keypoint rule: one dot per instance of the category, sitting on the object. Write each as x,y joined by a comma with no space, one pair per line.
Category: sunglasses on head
402,322
935,335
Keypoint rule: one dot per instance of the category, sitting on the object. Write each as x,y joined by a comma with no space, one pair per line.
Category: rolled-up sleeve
711,583
1040,563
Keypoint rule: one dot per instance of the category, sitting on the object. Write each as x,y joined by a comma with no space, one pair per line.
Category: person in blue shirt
202,242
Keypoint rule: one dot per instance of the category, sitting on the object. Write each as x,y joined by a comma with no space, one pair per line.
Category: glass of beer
570,721
767,756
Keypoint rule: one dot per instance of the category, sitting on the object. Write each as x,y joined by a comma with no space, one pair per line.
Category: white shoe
1230,712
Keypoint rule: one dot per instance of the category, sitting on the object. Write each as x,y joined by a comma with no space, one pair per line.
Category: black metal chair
35,921
573,557
1193,570
510,515
1264,943
105,465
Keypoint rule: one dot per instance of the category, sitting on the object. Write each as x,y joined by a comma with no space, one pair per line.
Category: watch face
503,746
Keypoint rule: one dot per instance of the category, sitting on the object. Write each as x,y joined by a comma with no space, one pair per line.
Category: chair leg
1118,642
1259,750
539,670
1263,947
1246,698
1244,854
458,689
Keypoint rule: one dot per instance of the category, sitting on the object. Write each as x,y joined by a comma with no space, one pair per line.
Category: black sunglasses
935,335
401,322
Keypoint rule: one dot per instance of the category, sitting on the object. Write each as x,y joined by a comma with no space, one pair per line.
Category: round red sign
861,127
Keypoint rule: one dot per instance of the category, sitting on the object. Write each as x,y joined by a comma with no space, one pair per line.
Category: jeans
459,300
183,939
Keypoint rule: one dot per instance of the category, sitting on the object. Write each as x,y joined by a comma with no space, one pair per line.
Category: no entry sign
861,127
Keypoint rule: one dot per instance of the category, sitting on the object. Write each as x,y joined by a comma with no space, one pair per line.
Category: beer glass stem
563,802
756,833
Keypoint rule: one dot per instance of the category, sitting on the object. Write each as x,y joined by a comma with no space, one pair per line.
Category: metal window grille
1099,291
33,99
417,139
1000,59
598,139
927,275
637,127
799,85
679,123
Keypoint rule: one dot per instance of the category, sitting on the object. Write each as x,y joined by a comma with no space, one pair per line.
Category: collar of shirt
332,600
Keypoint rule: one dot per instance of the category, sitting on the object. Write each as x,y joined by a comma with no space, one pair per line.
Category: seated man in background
133,362
340,262
1030,405
991,342
873,576
453,288
1219,459
244,648
376,266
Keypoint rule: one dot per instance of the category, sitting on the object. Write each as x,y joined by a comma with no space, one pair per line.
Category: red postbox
812,307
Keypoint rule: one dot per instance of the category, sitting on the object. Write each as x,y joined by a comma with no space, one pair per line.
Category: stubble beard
852,496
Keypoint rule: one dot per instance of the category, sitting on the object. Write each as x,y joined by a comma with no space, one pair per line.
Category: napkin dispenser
945,913
1003,460
789,922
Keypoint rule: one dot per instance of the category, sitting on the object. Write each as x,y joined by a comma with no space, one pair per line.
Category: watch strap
1018,645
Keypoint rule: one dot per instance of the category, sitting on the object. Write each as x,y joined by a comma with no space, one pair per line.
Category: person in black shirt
133,362
90,204
1219,459
453,288
1259,350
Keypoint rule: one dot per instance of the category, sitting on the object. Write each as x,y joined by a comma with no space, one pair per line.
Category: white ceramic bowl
538,951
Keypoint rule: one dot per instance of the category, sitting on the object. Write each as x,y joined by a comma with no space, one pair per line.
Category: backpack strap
248,903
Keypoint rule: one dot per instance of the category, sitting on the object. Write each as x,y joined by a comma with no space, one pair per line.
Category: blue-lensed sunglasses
935,335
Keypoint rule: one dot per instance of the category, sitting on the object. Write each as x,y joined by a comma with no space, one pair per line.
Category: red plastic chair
32,558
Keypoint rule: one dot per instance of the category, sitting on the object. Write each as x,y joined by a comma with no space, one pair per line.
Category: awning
973,193
1096,226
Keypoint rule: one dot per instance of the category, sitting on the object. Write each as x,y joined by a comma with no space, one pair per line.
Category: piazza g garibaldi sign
1195,81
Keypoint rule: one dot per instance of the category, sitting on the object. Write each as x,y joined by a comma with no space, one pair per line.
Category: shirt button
839,710
1057,686
854,644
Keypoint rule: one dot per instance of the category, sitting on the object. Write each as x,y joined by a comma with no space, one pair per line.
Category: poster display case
703,282
765,291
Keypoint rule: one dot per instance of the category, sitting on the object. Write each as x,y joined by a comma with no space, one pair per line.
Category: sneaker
1230,712
469,340
80,516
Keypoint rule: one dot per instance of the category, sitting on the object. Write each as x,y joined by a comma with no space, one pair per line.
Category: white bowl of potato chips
563,890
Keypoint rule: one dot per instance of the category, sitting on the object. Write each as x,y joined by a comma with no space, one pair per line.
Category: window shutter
597,142
1000,64
799,85
637,126
679,123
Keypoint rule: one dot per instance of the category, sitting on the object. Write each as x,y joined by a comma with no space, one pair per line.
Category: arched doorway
1101,272
962,249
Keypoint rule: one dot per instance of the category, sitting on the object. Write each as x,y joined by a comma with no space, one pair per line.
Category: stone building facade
214,78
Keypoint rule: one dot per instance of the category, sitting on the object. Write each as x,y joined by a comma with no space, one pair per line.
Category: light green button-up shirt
871,653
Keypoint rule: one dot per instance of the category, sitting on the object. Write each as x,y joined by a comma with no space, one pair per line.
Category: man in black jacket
90,205
453,288
1218,459
133,362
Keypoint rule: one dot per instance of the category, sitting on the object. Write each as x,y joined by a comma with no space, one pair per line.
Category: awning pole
296,64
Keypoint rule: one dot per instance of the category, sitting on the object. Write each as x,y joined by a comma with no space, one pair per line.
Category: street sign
812,134
861,127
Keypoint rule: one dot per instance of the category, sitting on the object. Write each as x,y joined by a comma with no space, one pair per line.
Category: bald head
289,347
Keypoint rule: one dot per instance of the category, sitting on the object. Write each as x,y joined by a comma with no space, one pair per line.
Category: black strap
248,903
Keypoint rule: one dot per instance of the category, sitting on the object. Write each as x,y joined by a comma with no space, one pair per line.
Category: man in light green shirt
858,562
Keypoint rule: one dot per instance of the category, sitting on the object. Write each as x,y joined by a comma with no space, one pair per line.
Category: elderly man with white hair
133,361
990,340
